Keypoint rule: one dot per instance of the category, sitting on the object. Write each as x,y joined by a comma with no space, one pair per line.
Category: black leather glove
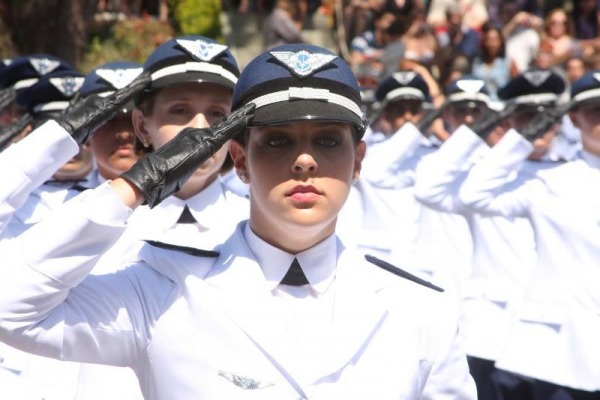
83,117
7,96
162,173
542,122
9,132
428,117
485,125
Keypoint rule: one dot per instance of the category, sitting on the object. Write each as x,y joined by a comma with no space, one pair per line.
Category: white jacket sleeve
383,164
439,176
494,186
29,163
48,304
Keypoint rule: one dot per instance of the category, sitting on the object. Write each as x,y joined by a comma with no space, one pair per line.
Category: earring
355,180
244,178
145,143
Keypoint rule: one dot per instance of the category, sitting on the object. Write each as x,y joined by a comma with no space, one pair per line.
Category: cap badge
470,85
536,78
202,50
303,63
119,78
404,77
67,86
44,66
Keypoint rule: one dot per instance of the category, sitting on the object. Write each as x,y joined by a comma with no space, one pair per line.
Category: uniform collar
591,159
202,205
318,262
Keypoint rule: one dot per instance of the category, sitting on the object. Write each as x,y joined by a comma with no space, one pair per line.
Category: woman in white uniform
239,322
554,328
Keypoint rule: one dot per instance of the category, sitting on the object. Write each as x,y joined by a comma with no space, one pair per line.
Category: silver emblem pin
202,50
67,86
44,66
536,78
405,77
303,63
244,382
119,78
470,85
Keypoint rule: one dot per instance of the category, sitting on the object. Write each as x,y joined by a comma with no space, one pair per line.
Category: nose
124,135
199,121
304,163
469,119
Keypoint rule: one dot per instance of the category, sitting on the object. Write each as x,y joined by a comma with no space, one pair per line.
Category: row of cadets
113,147
192,83
388,202
503,247
554,329
45,169
233,323
441,242
16,75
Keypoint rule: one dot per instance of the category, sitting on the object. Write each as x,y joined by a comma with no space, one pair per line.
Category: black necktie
186,217
295,276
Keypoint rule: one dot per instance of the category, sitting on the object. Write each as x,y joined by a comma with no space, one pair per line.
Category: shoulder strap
400,272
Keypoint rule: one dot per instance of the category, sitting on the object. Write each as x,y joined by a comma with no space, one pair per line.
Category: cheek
164,134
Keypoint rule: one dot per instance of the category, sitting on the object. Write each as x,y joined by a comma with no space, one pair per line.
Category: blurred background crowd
491,39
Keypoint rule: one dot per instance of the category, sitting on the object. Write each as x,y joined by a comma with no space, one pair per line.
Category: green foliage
198,17
133,39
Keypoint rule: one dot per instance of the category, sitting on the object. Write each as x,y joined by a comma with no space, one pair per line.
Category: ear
574,119
139,125
359,155
237,151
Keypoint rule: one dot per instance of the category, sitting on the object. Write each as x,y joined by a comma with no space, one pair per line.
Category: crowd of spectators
490,39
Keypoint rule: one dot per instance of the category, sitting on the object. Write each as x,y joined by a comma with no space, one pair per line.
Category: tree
57,27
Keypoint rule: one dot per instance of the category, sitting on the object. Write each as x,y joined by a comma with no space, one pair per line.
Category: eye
328,141
216,114
277,141
180,110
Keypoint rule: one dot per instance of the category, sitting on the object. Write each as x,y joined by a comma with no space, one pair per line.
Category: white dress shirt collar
204,206
591,159
318,263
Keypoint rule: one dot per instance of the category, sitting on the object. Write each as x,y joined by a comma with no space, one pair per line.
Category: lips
304,193
303,189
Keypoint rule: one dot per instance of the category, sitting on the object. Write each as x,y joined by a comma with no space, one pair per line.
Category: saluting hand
162,173
486,125
9,132
542,122
425,122
83,117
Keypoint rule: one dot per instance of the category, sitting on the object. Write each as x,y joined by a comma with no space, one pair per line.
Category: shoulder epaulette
400,272
184,249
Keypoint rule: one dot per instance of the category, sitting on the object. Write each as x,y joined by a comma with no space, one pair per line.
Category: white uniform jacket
29,163
503,248
204,328
442,244
557,326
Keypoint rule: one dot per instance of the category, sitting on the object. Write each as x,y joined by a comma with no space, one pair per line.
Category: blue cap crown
404,84
51,93
192,59
107,78
534,87
299,82
586,89
468,88
24,71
